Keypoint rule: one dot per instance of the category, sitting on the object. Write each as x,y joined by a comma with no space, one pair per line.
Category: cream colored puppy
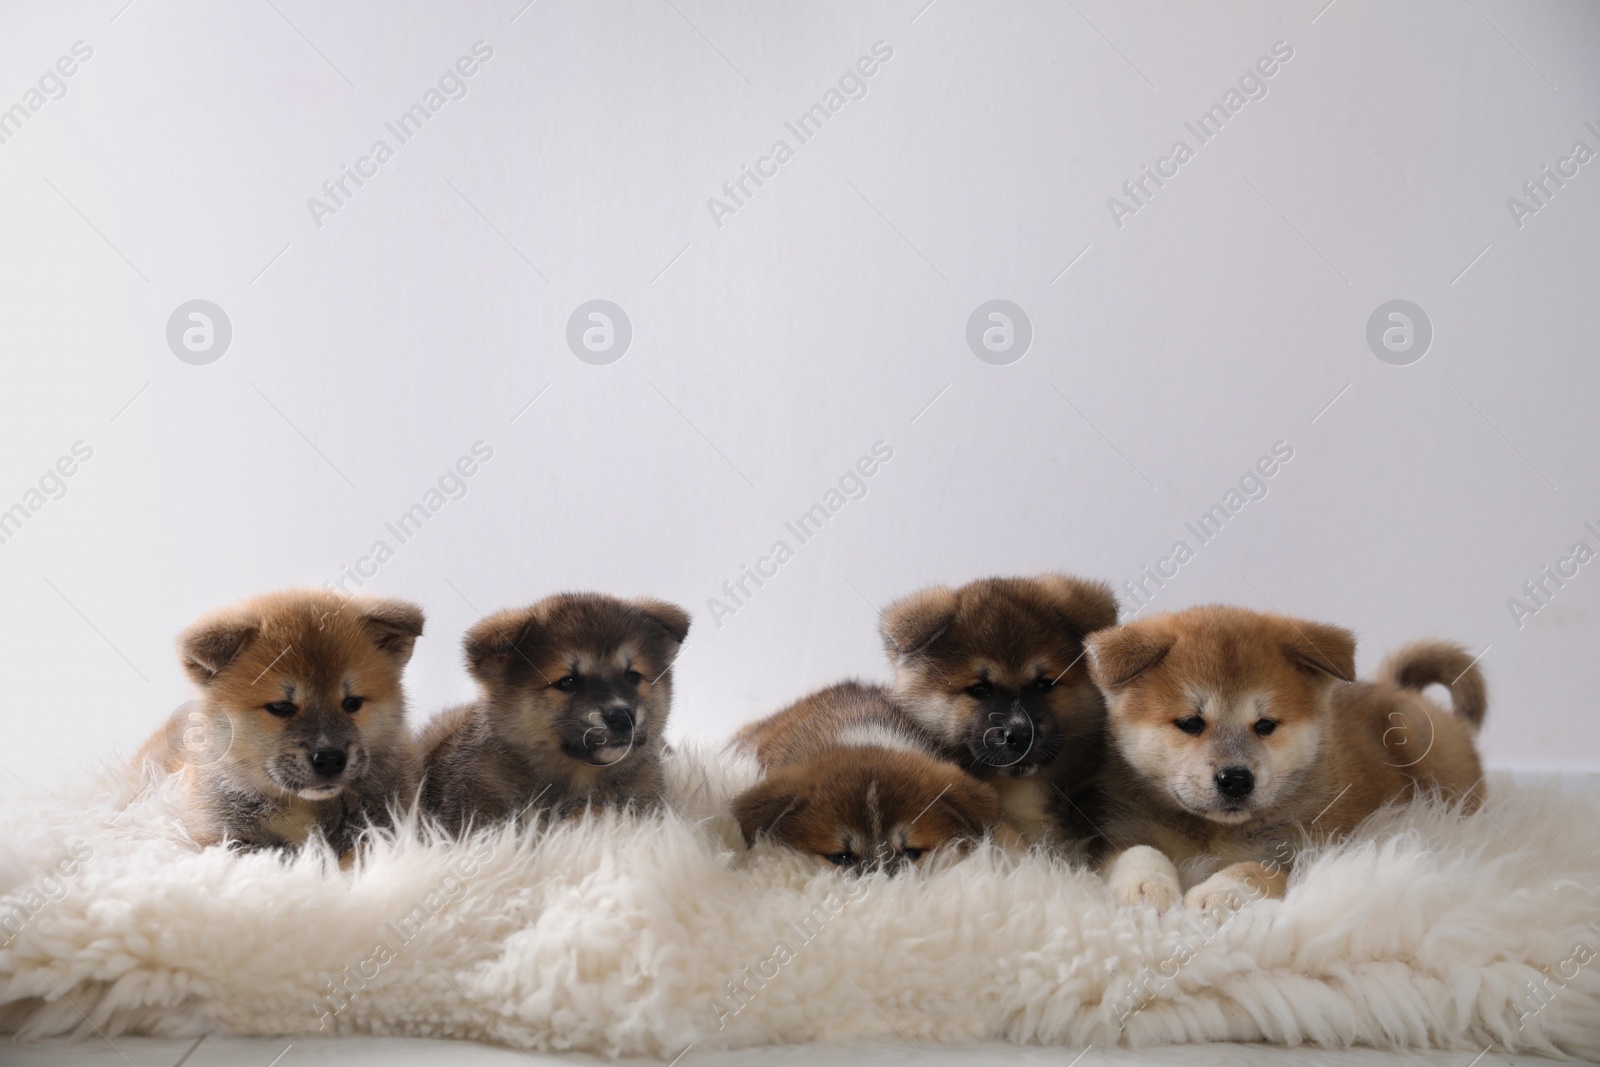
1237,737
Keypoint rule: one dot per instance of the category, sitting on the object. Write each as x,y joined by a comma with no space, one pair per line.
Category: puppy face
867,809
309,684
585,676
997,667
1225,709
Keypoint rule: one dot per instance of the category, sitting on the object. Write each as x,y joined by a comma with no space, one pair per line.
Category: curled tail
1424,663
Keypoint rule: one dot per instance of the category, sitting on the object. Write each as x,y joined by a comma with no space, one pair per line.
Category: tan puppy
301,724
1238,736
854,782
995,672
576,691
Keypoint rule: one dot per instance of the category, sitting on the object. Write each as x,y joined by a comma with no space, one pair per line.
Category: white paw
1144,876
1220,892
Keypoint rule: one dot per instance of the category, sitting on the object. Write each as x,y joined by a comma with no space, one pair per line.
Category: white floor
412,1052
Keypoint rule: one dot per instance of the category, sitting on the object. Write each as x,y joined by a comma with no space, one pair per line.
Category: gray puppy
576,692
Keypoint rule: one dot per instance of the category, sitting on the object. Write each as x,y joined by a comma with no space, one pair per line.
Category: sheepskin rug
635,935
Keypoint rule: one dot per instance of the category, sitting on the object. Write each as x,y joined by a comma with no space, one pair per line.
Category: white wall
825,314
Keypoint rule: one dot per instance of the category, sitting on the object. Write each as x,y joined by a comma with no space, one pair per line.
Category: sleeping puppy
300,728
1238,736
994,671
576,691
854,782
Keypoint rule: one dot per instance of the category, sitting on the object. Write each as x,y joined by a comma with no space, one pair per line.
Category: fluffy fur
300,728
576,693
852,781
994,670
620,934
1239,736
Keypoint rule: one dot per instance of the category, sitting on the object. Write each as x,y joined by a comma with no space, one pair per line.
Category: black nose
1013,735
328,762
1235,783
618,717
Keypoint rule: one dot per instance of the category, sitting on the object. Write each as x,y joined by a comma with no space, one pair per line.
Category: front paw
1233,887
1220,892
1009,839
1143,876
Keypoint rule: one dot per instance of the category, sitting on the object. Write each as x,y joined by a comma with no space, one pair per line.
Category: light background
771,351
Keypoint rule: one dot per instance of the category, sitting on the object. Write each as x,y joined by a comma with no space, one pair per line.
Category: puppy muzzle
320,772
613,739
885,859
1013,744
1230,795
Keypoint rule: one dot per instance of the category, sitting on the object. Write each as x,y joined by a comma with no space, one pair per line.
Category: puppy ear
393,625
669,617
215,641
1322,649
970,804
1118,656
761,808
1085,606
913,622
493,642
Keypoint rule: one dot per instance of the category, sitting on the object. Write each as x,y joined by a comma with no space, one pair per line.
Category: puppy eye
979,689
1044,685
1265,727
633,677
912,854
840,859
353,704
281,708
1194,724
567,683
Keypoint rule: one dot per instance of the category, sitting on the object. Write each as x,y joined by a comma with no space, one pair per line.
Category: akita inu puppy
853,781
576,692
1238,736
300,728
995,672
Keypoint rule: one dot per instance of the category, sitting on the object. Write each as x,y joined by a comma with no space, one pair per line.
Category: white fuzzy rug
620,936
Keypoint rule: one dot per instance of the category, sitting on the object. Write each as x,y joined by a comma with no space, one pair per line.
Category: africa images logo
1252,85
338,191
852,85
51,85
